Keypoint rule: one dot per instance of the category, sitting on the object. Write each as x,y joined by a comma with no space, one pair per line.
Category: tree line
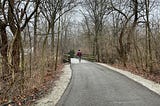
123,31
32,33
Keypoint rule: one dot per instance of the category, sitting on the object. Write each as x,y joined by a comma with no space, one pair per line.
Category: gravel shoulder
58,90
155,87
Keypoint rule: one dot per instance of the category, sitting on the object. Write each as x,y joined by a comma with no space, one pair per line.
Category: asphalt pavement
95,85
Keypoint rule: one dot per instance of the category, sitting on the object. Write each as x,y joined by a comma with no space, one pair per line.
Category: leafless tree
51,11
97,9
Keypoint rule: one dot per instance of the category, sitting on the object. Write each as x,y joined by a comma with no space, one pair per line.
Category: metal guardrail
89,57
66,58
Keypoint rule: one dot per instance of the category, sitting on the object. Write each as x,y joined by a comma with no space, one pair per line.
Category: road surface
95,85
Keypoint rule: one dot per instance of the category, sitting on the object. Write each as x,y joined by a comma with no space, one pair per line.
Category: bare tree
124,48
4,48
97,9
35,32
148,34
50,10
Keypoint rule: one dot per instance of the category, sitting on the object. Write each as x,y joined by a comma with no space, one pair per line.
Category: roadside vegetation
32,36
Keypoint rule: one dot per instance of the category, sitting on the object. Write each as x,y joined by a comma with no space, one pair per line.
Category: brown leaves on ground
153,76
34,89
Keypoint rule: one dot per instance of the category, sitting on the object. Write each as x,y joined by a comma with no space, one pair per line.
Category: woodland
36,34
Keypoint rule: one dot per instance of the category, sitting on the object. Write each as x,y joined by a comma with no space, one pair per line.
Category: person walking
79,54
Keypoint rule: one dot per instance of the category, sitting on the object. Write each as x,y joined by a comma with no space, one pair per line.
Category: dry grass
36,84
153,76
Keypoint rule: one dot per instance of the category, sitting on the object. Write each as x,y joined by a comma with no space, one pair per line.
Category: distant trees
123,31
96,10
52,10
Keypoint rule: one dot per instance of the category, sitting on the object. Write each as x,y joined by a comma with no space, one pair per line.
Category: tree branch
28,18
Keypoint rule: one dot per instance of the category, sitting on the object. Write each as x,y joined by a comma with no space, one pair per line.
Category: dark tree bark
148,34
4,49
15,20
35,34
124,47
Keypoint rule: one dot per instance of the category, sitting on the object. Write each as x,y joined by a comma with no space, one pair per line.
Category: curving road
95,85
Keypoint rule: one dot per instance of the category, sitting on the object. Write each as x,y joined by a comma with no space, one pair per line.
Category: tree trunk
16,51
15,47
52,44
97,38
97,47
121,48
30,54
57,49
22,63
43,51
148,34
4,49
53,35
35,34
133,27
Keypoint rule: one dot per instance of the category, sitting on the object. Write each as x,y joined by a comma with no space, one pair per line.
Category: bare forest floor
145,74
35,91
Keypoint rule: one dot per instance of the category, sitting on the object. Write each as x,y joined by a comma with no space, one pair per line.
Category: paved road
94,85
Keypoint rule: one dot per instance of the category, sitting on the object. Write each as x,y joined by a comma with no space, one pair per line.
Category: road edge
155,87
58,90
